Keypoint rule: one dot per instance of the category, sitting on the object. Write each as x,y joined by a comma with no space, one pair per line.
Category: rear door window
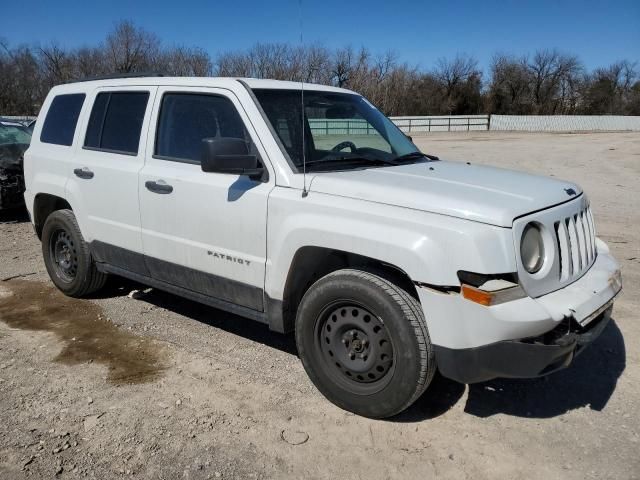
116,122
60,123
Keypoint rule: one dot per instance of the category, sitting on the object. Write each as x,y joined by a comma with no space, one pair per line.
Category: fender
430,248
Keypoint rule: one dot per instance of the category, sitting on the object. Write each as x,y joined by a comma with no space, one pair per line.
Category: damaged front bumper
525,358
526,337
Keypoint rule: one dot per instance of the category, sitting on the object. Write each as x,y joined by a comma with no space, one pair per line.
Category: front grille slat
573,246
587,234
565,252
582,238
587,231
592,232
580,242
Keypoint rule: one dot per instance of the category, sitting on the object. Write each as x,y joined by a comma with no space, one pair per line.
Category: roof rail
112,76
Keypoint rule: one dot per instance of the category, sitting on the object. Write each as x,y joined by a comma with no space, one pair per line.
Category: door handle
158,187
83,173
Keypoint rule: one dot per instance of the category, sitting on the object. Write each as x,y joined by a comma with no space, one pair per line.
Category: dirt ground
152,386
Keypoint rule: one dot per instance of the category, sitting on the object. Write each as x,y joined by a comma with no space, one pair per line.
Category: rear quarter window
60,123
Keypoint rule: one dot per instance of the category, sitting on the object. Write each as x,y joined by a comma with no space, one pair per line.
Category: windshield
341,130
10,134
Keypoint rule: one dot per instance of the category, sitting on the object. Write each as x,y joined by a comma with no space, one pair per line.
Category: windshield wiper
349,159
414,156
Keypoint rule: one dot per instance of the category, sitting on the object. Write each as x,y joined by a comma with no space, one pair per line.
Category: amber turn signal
476,295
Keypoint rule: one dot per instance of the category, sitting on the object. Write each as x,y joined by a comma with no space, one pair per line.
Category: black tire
348,324
67,257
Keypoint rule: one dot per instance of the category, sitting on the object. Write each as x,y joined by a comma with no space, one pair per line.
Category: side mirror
231,156
409,137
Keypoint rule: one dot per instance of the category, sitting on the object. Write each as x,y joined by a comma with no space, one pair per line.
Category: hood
474,192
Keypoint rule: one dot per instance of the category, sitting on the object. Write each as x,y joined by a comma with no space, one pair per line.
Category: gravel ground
152,386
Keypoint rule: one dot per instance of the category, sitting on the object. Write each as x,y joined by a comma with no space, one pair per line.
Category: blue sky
420,32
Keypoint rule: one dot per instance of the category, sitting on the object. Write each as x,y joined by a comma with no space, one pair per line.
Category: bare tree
317,65
90,62
510,85
458,77
453,72
58,64
278,61
183,61
232,64
359,72
341,66
610,89
549,70
21,85
130,48
548,82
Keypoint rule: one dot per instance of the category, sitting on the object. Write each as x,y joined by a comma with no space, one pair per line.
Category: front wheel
364,343
67,257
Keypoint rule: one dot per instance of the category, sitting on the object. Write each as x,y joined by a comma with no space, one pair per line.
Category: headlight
532,248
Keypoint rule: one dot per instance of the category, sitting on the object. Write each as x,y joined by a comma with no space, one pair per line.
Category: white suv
325,220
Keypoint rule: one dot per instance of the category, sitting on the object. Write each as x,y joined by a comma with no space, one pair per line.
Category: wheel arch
310,263
44,204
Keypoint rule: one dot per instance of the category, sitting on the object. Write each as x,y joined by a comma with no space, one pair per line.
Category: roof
286,85
222,82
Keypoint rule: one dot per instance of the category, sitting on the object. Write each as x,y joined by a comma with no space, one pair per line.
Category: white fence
351,126
466,123
565,123
521,123
442,123
434,123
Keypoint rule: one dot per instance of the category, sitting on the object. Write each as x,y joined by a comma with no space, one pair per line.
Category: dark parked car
14,141
30,125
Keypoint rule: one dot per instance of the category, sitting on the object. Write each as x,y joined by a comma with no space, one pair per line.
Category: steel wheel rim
64,255
354,347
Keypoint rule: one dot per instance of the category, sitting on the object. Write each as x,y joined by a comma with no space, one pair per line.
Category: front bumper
526,358
525,337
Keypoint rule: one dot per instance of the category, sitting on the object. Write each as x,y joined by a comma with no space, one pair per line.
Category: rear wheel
364,343
67,257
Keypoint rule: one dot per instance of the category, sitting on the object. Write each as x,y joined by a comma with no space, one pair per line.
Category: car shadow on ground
589,381
251,330
14,215
439,398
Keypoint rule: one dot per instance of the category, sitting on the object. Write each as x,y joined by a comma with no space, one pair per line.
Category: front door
205,232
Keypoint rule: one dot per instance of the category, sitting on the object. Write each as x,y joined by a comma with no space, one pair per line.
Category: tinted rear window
116,121
60,124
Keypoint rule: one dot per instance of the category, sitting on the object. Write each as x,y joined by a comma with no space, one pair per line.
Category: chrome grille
576,239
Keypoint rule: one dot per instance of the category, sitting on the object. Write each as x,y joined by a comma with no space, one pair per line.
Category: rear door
203,231
104,180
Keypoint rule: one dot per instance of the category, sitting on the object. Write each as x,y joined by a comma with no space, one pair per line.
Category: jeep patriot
305,208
